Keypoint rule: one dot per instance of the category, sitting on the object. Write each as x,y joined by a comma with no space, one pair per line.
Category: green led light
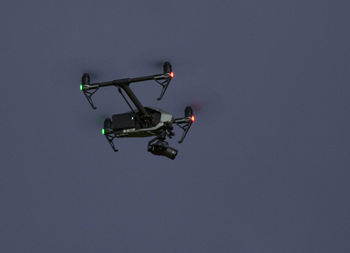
103,131
81,87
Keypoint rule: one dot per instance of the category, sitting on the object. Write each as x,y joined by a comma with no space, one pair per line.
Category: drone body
142,121
126,125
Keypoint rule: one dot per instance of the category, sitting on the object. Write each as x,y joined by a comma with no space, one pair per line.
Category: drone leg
110,139
185,128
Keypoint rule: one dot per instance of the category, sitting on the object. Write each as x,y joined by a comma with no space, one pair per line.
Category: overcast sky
265,167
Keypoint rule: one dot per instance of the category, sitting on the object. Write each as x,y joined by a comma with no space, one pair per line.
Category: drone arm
90,89
93,86
148,78
125,81
162,79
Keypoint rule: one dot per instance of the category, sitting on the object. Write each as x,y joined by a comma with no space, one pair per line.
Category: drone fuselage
126,124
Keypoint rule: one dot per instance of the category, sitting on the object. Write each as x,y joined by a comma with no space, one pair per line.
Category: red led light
171,74
192,118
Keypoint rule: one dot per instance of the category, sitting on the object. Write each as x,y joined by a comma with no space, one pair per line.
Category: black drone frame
143,117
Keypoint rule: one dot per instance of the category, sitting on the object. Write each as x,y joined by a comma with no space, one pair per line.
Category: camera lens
170,153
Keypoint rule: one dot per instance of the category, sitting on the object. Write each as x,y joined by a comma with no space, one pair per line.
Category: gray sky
265,168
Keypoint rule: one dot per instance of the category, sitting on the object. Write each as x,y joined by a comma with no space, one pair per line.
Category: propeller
205,105
95,122
100,119
158,64
94,75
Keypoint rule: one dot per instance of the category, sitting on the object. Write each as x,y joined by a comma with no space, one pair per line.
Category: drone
141,121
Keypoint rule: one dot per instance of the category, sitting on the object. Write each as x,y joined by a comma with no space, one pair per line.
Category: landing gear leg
110,139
